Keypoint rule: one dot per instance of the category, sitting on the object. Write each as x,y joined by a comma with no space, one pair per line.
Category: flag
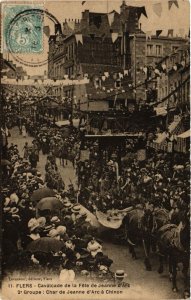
79,38
157,8
170,32
46,30
171,2
111,18
114,36
83,2
141,10
158,32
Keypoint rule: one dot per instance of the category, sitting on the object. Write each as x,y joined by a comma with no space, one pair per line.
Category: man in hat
94,247
33,230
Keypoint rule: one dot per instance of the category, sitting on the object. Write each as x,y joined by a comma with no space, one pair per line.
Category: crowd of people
102,183
55,236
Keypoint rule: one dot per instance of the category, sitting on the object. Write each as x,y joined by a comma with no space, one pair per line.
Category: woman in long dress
24,133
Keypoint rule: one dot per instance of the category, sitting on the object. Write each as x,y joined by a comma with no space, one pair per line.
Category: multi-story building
113,52
146,53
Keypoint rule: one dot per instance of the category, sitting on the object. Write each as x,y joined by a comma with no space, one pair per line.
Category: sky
175,18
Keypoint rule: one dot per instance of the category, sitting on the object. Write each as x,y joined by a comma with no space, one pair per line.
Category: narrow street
142,283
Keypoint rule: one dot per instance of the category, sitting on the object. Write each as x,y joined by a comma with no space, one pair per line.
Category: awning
184,135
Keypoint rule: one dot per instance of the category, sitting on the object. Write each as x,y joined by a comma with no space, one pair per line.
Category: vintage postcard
95,149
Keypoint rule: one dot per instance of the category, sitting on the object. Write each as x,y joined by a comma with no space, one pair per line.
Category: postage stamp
23,29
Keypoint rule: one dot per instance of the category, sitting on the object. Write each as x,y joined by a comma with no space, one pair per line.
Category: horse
173,242
141,226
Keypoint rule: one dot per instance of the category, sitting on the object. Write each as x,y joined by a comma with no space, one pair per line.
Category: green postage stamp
23,28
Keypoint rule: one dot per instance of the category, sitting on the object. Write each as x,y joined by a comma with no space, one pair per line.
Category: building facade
113,52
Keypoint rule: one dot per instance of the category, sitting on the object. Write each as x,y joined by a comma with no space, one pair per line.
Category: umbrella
50,203
42,193
45,244
5,162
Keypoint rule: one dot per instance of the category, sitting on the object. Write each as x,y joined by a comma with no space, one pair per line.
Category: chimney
123,6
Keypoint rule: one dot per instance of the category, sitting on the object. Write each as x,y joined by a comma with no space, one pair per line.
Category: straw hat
55,219
41,221
32,224
85,273
120,274
14,210
53,233
61,230
76,209
68,205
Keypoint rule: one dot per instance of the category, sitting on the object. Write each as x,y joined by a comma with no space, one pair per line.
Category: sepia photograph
95,149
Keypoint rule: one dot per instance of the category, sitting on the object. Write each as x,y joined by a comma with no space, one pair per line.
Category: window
158,50
149,49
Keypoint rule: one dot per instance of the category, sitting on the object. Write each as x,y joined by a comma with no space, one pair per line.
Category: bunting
171,2
158,32
111,18
170,32
114,36
157,8
79,38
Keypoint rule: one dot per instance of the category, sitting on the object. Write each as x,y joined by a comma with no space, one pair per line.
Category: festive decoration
111,18
171,2
158,32
114,36
170,32
79,38
157,8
